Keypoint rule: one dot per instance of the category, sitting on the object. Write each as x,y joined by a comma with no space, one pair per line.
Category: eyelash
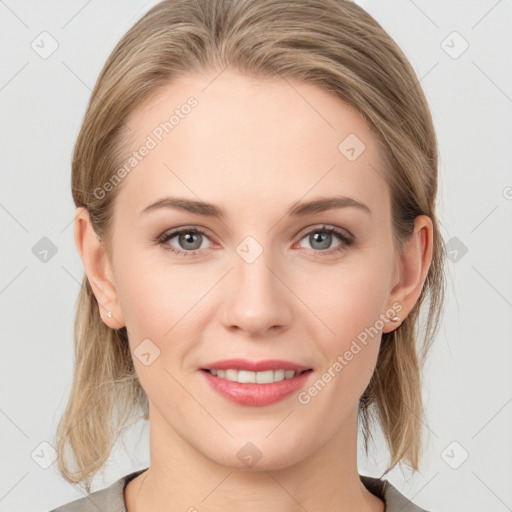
347,240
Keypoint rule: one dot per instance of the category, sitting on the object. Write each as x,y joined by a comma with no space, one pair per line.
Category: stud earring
109,314
395,319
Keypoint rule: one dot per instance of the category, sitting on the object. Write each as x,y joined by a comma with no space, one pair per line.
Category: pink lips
255,366
251,394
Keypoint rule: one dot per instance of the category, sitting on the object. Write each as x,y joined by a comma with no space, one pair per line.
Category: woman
255,184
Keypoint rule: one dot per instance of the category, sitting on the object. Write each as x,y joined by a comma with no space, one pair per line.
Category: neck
183,478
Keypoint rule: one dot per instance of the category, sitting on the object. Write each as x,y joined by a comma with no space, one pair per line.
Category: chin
258,456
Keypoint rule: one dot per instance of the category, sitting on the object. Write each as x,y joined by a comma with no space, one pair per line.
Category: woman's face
256,282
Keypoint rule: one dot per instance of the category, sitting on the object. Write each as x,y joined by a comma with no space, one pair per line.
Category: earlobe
98,269
414,264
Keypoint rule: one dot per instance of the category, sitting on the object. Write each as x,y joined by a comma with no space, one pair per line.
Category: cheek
154,306
162,303
140,296
351,305
352,297
154,296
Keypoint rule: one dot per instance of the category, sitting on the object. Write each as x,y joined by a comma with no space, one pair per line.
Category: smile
246,376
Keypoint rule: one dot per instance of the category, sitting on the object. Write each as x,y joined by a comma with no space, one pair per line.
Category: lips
255,366
257,388
256,394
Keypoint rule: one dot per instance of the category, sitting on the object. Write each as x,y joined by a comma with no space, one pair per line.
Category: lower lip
256,395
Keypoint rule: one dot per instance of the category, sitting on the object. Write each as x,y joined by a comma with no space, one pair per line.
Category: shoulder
395,501
110,499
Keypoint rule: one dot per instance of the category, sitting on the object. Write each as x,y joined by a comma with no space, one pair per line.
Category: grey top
111,499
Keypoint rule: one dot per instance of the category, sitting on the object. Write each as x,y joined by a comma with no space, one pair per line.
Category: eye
189,240
321,238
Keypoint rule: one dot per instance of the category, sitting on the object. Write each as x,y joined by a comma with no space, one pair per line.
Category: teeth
245,376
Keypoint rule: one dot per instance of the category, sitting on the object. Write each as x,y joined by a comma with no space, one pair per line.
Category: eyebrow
299,209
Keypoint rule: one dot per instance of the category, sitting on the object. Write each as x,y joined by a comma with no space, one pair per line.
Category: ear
98,269
412,269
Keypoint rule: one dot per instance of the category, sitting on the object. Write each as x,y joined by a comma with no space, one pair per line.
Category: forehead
236,139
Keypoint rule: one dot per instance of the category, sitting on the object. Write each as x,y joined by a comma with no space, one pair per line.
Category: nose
257,301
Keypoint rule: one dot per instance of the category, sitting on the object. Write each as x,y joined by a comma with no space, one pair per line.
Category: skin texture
254,148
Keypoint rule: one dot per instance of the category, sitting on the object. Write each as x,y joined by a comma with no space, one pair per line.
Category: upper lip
255,366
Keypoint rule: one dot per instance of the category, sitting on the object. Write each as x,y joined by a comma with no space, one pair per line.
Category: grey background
467,381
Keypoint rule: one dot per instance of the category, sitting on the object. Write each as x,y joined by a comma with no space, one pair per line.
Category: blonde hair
331,43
